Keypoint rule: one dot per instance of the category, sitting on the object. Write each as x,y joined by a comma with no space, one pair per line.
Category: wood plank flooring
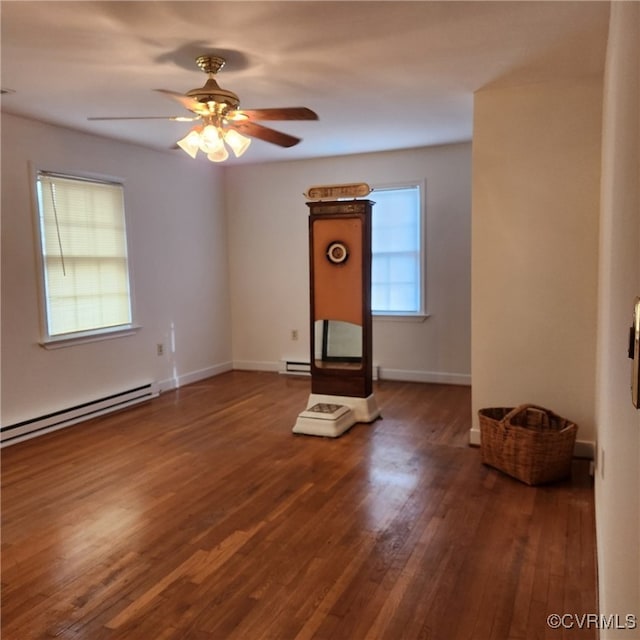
200,516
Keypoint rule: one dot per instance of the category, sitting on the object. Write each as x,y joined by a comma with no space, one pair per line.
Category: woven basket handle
524,407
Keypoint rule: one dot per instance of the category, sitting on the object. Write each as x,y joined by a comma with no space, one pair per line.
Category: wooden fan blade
174,118
264,133
186,101
284,113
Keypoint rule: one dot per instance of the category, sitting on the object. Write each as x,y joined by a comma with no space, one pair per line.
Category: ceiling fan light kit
223,121
211,140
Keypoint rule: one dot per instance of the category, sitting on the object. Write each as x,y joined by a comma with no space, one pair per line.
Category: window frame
56,341
422,313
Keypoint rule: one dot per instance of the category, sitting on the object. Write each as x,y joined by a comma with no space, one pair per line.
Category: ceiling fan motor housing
211,92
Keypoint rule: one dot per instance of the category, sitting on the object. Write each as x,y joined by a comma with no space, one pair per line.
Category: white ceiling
380,75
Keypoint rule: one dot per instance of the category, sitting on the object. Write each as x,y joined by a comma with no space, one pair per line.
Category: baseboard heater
26,429
296,367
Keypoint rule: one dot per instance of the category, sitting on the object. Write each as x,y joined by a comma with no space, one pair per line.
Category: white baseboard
256,365
583,448
434,377
194,376
379,373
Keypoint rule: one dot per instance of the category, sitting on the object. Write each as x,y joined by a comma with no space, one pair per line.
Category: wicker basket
528,442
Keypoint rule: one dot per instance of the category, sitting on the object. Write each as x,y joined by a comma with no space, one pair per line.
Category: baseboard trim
256,365
194,376
434,377
379,373
583,448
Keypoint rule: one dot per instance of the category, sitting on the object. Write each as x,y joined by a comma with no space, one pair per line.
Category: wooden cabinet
340,297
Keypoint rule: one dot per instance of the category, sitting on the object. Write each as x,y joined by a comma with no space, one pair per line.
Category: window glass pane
380,269
403,268
379,296
396,251
403,297
84,247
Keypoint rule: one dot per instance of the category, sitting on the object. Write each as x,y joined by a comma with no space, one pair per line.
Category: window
84,256
396,243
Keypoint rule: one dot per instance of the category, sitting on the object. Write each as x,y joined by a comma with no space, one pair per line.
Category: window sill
414,317
70,340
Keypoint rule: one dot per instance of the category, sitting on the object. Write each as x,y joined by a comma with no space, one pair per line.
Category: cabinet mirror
337,344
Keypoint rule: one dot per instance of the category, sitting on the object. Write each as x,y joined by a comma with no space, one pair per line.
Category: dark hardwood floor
199,515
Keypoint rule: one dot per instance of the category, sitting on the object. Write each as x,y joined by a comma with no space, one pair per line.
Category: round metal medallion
337,252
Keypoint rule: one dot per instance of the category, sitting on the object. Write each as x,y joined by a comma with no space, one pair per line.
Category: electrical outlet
294,334
160,349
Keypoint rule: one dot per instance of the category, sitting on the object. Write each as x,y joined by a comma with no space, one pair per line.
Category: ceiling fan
220,120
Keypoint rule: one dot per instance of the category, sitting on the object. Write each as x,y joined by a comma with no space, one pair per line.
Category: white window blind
84,254
396,243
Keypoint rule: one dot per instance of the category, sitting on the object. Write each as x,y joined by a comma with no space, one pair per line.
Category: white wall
618,468
178,257
536,175
268,248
